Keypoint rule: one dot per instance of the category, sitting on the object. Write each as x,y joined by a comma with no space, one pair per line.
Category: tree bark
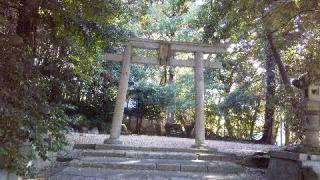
284,77
257,111
218,125
129,122
170,108
286,134
228,126
27,21
277,60
137,125
218,120
140,124
276,125
254,119
270,92
229,81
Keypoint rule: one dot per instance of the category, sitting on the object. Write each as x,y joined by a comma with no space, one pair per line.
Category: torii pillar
121,98
199,101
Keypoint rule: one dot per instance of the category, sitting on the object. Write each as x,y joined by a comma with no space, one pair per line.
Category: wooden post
119,107
199,98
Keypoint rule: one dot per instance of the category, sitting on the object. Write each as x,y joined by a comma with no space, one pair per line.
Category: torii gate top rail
166,50
179,46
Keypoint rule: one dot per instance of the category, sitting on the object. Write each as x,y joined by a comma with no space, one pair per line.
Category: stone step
140,154
120,174
143,148
158,164
160,155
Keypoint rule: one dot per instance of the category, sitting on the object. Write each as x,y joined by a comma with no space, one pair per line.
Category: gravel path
163,141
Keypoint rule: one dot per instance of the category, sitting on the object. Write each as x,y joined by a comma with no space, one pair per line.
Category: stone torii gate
166,51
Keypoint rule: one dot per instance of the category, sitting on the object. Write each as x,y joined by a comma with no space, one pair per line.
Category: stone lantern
302,162
311,120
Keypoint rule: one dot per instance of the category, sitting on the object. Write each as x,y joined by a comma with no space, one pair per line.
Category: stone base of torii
165,57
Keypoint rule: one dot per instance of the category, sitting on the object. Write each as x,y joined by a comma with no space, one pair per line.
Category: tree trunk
252,124
137,125
270,106
254,119
277,60
140,124
27,22
285,81
286,133
218,125
227,89
170,110
218,120
129,122
276,126
228,126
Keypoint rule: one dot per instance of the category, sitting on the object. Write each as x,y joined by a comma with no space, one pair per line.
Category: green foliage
106,127
242,107
166,20
50,57
293,28
150,101
79,120
184,96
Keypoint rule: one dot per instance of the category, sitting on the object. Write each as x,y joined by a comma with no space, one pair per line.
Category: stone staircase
152,163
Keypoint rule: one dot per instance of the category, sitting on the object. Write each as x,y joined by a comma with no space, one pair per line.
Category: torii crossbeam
166,51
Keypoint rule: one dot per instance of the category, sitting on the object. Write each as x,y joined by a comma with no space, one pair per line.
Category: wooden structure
166,51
